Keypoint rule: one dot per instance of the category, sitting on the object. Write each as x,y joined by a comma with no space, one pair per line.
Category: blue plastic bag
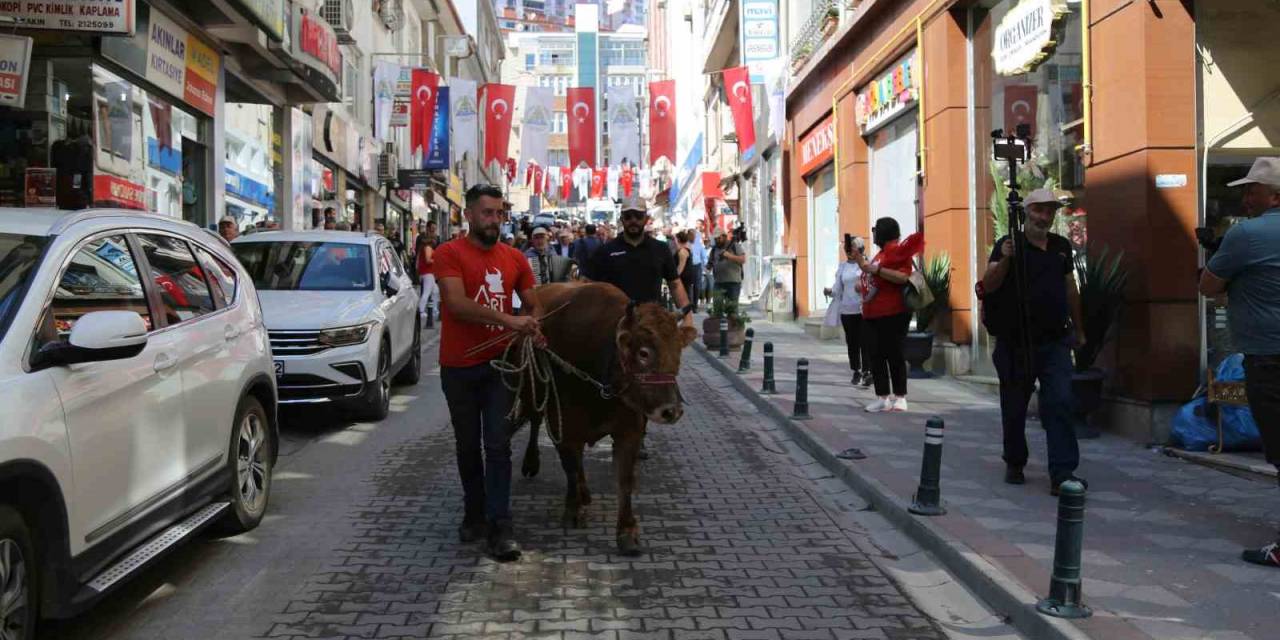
1193,430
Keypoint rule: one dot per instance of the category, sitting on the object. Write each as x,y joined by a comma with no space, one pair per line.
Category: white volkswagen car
342,314
138,399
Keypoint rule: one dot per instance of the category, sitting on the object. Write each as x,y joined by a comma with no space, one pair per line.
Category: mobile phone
848,243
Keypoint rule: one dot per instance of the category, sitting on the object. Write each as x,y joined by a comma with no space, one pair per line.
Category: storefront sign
248,189
98,16
41,187
759,34
454,192
110,191
891,94
318,44
1024,37
181,64
15,62
414,179
818,146
268,14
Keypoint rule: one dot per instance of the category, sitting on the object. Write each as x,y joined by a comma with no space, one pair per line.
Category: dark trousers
1262,387
695,291
888,365
1051,366
731,290
478,405
855,342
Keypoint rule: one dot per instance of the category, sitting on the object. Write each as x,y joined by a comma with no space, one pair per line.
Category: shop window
178,278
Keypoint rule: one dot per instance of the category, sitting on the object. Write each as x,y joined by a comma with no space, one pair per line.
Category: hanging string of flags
439,111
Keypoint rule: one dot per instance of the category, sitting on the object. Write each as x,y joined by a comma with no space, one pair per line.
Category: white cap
538,230
1264,171
1041,196
228,220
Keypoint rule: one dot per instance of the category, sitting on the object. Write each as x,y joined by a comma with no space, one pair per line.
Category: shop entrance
893,173
824,235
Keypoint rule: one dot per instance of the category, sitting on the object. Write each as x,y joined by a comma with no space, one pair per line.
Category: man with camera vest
1037,331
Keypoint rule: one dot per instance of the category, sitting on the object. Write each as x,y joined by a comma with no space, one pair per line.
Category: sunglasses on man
634,215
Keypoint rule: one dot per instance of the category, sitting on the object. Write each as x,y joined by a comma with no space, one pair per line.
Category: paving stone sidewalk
1162,535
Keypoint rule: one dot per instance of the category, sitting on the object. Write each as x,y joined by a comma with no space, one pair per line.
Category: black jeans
855,342
1051,366
731,290
695,292
478,405
1262,387
888,365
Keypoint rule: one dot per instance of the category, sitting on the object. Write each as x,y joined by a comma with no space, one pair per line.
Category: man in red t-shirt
478,278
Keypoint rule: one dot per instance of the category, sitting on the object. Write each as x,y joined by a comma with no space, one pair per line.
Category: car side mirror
97,336
388,285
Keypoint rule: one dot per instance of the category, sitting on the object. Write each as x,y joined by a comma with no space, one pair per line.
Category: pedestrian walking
425,250
638,265
547,266
685,267
479,279
885,311
845,310
726,264
698,256
1052,326
585,247
1247,268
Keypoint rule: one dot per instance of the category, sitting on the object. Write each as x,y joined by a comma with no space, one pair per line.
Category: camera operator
1052,312
1247,268
727,259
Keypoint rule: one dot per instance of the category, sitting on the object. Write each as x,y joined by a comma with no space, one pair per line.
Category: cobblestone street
743,540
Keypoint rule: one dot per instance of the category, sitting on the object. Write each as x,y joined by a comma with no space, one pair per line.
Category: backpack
996,309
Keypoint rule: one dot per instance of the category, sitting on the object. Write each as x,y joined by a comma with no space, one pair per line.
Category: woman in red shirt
885,311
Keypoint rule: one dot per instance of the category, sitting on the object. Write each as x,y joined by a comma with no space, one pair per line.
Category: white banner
463,121
536,127
624,125
386,74
15,62
103,16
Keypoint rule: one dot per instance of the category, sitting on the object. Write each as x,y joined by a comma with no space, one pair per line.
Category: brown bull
634,352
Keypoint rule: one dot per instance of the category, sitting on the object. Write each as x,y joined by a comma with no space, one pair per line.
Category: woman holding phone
885,311
845,309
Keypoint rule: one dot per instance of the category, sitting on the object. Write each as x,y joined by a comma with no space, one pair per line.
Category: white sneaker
880,405
898,405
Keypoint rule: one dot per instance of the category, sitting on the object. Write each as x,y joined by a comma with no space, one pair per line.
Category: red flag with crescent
422,111
662,121
737,84
1020,102
581,104
499,101
597,183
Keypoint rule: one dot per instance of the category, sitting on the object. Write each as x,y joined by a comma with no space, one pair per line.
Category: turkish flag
662,121
1020,102
422,112
597,183
499,100
628,180
537,179
581,103
566,182
737,84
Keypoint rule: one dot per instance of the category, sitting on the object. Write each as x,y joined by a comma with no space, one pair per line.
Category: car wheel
17,578
251,458
412,371
377,399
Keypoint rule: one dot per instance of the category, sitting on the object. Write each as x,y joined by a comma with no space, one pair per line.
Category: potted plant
801,57
723,307
830,22
1102,280
918,346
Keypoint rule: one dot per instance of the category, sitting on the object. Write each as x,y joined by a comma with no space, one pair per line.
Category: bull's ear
687,336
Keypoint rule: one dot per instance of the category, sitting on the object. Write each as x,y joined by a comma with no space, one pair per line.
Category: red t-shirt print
491,277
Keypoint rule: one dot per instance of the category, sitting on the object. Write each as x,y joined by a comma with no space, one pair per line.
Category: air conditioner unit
341,15
388,164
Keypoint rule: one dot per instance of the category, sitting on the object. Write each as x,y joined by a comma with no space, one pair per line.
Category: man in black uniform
637,264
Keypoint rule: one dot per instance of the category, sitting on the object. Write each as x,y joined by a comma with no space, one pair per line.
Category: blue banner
439,156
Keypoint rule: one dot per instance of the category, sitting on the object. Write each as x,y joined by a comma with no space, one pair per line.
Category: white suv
342,314
138,397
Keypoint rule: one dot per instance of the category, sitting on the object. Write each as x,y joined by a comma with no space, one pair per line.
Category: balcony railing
810,34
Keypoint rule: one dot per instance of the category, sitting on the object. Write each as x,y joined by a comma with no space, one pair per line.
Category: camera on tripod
1015,147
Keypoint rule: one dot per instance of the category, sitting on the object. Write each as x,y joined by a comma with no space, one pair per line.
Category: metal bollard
928,498
724,337
744,363
1065,586
769,387
801,410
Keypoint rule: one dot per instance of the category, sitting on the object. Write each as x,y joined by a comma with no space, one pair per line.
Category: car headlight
343,336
